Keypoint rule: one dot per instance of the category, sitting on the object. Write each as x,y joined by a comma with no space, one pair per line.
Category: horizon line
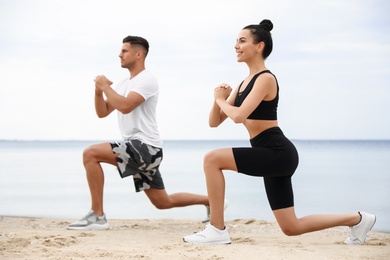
169,140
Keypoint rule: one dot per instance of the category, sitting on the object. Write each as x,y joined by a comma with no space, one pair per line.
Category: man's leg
161,200
92,157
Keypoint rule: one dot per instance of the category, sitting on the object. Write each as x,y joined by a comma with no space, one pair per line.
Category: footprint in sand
59,241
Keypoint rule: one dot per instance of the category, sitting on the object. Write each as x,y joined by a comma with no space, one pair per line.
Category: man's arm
115,101
102,107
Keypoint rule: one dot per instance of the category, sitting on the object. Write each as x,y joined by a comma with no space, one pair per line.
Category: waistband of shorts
131,141
266,133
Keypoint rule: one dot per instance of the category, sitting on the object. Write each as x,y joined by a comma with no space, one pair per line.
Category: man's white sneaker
207,219
359,231
90,222
210,235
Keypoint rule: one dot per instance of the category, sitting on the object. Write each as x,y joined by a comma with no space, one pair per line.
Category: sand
47,238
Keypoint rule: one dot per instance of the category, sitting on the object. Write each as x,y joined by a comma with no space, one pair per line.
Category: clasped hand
101,82
222,91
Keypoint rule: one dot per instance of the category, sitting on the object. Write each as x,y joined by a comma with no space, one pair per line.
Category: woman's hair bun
266,25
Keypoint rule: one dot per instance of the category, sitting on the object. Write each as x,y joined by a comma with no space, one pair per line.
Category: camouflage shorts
140,160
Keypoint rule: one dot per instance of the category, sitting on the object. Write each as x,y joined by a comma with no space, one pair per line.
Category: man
139,154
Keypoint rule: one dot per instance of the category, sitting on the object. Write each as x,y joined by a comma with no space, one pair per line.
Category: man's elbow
125,109
101,114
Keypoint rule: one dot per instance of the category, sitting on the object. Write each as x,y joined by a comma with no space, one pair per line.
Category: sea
46,179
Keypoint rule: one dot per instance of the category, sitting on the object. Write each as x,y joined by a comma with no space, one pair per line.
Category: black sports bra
266,110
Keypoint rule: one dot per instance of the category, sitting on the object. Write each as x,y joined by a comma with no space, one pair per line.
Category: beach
48,238
37,203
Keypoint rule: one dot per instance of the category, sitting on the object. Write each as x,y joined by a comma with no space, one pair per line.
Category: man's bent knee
99,153
88,154
159,198
162,205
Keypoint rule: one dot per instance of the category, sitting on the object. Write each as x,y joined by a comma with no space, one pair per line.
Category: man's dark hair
136,40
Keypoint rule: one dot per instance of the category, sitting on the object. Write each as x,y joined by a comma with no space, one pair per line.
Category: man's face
127,55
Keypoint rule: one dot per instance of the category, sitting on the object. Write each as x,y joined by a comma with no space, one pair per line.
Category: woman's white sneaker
210,235
359,231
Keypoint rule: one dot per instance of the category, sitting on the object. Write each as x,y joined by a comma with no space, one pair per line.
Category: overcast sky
332,60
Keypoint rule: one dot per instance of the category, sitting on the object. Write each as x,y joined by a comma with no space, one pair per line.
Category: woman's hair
262,33
136,40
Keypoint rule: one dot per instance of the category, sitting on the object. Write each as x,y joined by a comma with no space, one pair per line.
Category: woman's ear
260,47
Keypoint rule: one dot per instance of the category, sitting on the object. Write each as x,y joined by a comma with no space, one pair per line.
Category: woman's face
245,48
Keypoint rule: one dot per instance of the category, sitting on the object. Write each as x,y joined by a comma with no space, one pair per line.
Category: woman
272,156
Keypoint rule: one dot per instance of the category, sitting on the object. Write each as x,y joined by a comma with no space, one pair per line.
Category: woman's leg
214,162
292,226
280,196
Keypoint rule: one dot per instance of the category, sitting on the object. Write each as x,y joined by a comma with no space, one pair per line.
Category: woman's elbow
238,119
214,123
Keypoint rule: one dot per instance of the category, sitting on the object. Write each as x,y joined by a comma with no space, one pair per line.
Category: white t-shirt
141,123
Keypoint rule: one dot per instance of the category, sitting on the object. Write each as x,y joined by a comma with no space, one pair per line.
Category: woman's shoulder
266,76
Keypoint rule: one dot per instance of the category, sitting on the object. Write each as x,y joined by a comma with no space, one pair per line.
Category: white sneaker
359,231
90,222
207,219
210,235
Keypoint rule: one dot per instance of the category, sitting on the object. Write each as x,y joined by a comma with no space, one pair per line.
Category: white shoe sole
91,227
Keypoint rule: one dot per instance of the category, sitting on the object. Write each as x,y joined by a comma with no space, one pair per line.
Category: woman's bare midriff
255,127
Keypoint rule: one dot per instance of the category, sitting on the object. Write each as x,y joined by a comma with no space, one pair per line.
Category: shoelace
201,232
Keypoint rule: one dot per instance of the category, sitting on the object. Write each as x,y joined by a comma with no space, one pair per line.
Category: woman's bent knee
288,222
209,158
290,231
220,158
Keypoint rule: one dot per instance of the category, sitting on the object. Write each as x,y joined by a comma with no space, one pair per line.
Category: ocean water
47,179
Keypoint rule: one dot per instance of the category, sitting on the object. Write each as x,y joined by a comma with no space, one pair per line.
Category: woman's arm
265,86
217,116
